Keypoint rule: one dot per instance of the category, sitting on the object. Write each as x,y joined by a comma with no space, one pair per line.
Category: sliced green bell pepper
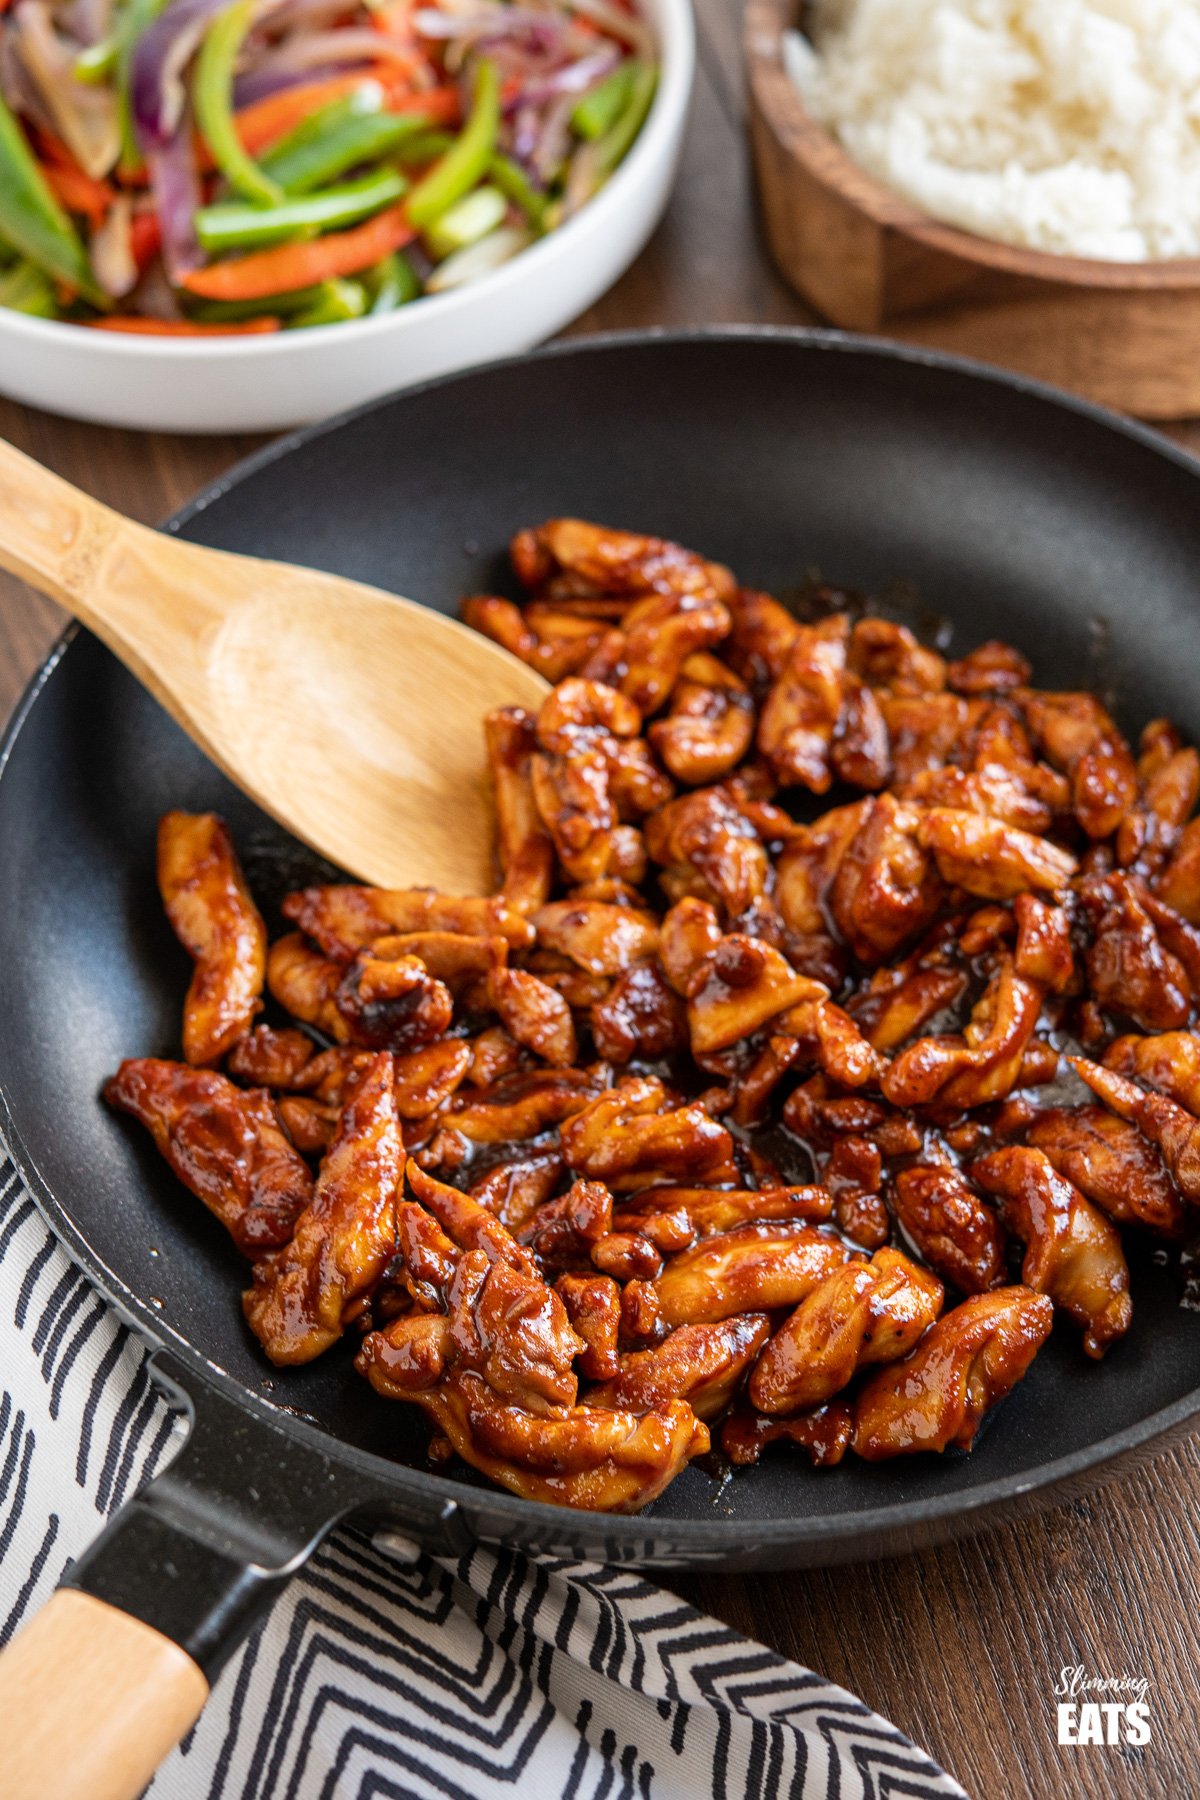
465,163
234,226
212,97
31,219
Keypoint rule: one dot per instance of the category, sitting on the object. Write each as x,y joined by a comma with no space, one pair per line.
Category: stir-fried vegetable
176,167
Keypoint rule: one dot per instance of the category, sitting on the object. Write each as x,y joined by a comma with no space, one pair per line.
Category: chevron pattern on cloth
374,1678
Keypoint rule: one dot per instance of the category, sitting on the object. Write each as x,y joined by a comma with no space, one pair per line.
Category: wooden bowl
1125,334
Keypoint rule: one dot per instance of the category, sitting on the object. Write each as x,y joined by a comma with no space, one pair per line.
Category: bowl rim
808,142
674,29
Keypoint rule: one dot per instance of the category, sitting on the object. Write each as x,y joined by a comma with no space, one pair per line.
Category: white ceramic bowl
268,383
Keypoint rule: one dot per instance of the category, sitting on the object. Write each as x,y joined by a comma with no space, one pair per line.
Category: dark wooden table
962,1646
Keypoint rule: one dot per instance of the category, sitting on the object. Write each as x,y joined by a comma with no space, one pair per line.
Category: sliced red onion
111,250
259,84
488,21
156,91
352,44
575,78
85,118
88,21
175,186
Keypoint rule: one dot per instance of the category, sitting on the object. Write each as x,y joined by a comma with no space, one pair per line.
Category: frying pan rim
690,1538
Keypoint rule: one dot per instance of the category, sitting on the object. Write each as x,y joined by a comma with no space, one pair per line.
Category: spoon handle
51,534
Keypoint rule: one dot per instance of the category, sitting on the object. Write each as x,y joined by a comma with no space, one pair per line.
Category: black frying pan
982,504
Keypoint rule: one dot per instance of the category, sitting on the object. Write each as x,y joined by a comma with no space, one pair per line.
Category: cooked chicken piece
890,1013
886,888
674,1217
984,1064
218,924
598,938
627,1256
392,1002
593,1304
753,1268
615,562
965,1365
1131,969
710,726
761,637
854,1176
523,845
640,1016
808,864
689,931
270,1058
702,1364
514,1189
860,753
1043,951
310,1124
842,1051
580,1456
801,711
738,988
1072,1252
1078,737
563,1231
989,858
344,920
1112,1164
661,633
223,1142
993,791
959,1236
861,1313
888,656
991,668
556,645
631,1137
1170,786
710,851
427,1078
522,1106
306,983
493,1054
1174,1129
305,1295
825,1434
533,1014
1169,1062
574,802
1001,744
1178,884
924,731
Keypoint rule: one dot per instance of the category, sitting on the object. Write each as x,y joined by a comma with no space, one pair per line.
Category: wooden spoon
354,717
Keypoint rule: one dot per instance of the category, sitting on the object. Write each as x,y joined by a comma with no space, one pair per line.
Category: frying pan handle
102,1683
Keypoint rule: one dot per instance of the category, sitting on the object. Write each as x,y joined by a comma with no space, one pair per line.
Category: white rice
1066,125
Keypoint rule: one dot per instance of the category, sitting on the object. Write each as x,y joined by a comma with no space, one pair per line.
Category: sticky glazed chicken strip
305,1294
739,1100
937,1398
224,1142
219,926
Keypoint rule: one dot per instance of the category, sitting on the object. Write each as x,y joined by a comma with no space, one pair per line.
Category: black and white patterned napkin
373,1678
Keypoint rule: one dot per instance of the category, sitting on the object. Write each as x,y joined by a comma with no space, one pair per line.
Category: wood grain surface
962,1646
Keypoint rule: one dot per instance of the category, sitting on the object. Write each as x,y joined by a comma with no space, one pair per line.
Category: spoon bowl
352,716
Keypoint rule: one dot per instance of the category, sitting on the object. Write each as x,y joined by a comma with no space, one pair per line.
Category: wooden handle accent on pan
91,1701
